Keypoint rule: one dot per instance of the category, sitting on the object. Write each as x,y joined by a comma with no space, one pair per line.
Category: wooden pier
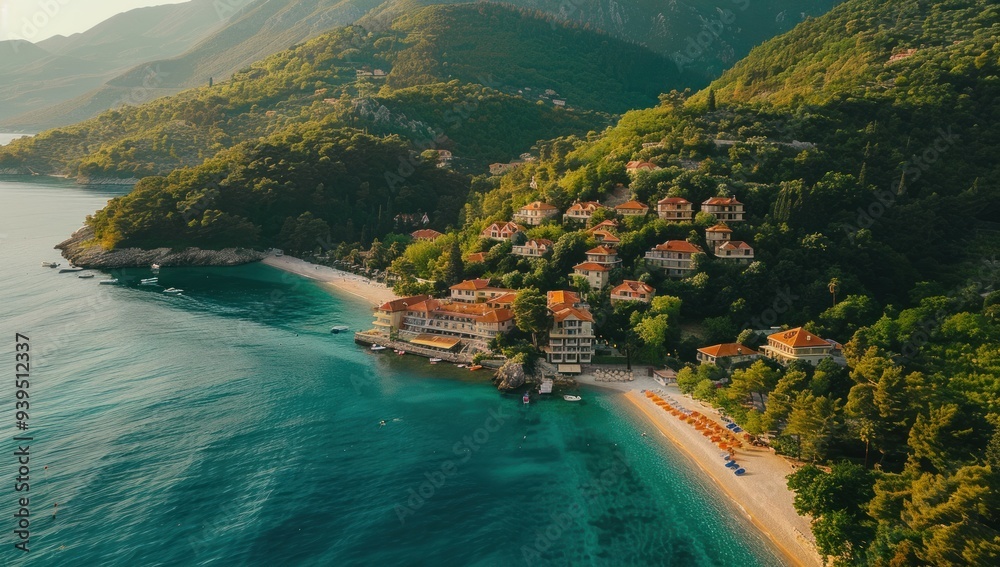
410,348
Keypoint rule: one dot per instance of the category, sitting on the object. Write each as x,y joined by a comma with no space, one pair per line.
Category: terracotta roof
674,201
728,349
641,165
722,201
607,236
472,284
604,250
721,227
591,267
678,246
501,227
632,286
631,205
735,245
798,337
567,312
539,206
497,316
504,299
585,206
426,233
539,242
402,303
476,257
562,297
603,225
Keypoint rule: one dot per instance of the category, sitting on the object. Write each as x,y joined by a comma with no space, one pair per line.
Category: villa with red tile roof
440,323
673,256
606,238
634,166
607,224
735,251
727,354
631,290
675,209
534,248
632,209
501,231
603,255
581,211
571,337
534,214
426,234
797,344
725,209
389,315
716,235
597,275
476,291
476,257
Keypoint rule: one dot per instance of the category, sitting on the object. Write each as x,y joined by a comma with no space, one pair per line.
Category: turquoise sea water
228,427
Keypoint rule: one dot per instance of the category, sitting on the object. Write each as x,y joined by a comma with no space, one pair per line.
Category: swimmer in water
381,423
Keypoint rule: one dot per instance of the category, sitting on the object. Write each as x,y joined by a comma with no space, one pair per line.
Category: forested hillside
477,112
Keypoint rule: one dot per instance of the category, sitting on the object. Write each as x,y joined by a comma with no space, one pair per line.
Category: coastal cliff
81,250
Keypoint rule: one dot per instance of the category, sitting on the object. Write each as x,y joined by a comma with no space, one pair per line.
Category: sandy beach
761,494
373,293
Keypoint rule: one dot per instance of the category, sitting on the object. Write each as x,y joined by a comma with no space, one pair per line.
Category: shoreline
371,292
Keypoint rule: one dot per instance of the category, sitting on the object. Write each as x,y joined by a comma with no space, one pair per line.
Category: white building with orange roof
534,248
604,255
501,231
389,315
725,209
716,235
735,251
597,275
675,257
727,354
581,211
606,238
475,324
571,337
675,209
631,290
632,209
607,224
534,214
797,344
476,291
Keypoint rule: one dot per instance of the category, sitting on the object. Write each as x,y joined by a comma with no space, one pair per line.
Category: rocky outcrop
511,376
107,180
81,250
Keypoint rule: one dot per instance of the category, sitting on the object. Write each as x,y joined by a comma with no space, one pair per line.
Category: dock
368,339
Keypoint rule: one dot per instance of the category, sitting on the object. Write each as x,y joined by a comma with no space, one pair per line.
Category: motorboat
526,398
339,329
173,291
112,281
69,270
150,281
378,347
570,398
435,360
475,367
85,276
460,365
155,267
50,264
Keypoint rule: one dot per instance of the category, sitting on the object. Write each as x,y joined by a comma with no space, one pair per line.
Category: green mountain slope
59,69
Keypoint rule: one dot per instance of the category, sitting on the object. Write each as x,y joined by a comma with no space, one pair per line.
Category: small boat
570,398
112,281
526,398
475,367
378,347
173,291
69,270
155,267
339,329
85,276
460,365
400,352
50,264
435,360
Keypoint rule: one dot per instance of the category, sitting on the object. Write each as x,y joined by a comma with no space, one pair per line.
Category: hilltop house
606,238
726,354
735,251
476,257
632,209
725,209
631,290
636,166
675,209
500,231
581,211
597,275
718,234
797,344
571,338
674,257
603,255
534,248
476,291
534,214
426,234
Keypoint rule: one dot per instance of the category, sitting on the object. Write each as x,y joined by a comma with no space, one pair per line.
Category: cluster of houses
784,347
673,257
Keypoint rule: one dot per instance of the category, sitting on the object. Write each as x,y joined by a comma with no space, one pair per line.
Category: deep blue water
228,427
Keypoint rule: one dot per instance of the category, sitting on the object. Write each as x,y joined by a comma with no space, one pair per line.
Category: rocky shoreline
82,251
